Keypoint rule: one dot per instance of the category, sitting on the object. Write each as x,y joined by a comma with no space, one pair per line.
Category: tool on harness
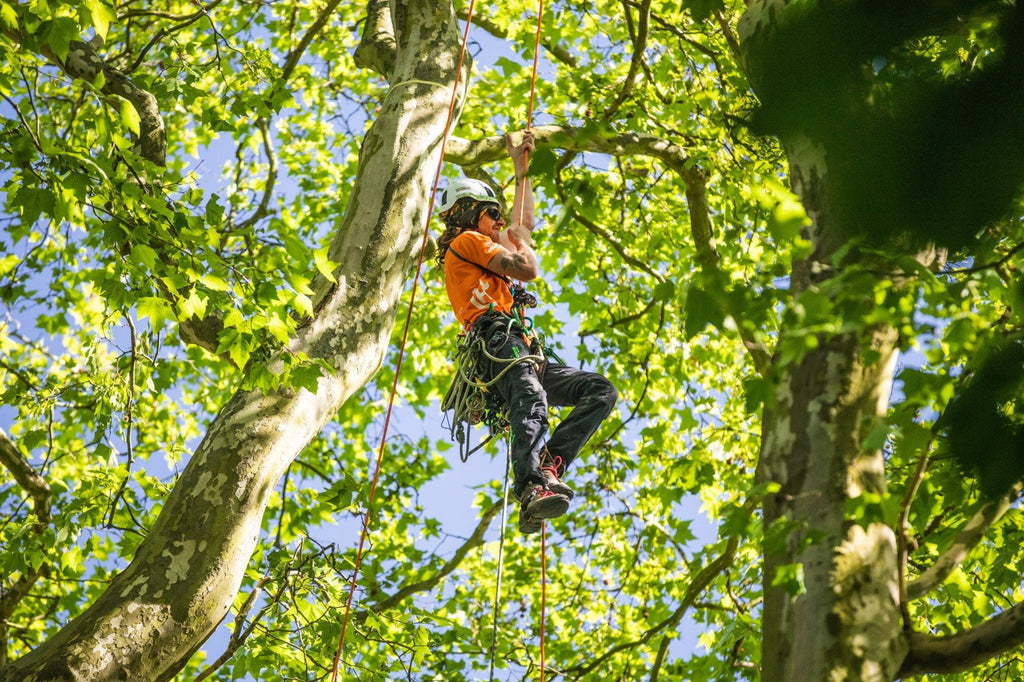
468,398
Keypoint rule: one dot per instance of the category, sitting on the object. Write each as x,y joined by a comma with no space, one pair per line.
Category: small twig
129,425
268,189
606,235
901,538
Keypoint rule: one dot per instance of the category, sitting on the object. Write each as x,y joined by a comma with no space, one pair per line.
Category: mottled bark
186,573
26,477
376,48
83,62
845,625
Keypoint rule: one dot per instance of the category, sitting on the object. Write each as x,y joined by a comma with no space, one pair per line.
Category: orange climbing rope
536,54
405,334
533,90
401,348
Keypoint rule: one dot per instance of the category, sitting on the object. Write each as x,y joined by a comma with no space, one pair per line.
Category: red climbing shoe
549,466
537,504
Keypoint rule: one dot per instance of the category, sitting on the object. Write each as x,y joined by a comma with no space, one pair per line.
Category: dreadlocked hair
459,218
446,238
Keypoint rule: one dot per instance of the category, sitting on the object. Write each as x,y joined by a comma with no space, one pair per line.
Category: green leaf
33,202
214,283
703,9
303,304
8,16
156,309
279,329
701,310
130,117
58,34
790,577
665,291
8,263
757,392
100,16
214,211
876,437
508,67
306,376
143,255
324,265
192,306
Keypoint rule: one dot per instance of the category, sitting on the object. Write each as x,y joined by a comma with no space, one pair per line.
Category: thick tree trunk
186,573
846,624
841,621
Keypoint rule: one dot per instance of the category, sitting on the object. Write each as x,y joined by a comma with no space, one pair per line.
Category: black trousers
528,396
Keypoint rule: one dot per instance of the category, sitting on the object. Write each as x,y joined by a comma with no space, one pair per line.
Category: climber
480,259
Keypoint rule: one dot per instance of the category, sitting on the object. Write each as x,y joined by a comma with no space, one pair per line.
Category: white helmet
460,189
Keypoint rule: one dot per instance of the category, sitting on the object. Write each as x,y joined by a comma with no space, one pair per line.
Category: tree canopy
788,232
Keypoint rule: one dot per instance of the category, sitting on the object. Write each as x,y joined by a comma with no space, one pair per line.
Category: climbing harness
469,398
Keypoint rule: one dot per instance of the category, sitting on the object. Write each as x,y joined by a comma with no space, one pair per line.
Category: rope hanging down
501,557
401,349
405,335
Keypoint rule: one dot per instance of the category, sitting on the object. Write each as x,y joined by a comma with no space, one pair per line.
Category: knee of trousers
605,392
530,406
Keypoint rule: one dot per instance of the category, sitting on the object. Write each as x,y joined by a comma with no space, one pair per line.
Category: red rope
536,54
401,349
532,91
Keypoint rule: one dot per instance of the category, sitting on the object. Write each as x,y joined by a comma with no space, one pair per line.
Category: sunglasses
491,212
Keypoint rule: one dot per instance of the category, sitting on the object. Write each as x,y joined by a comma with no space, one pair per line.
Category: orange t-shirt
472,288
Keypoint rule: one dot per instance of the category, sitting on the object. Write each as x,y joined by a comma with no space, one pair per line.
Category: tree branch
639,48
475,540
292,60
966,649
39,491
607,236
484,150
377,48
26,477
84,63
560,53
182,21
699,583
487,149
970,535
901,537
268,188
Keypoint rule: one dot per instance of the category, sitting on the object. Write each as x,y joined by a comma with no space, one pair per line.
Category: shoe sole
561,489
529,526
548,507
